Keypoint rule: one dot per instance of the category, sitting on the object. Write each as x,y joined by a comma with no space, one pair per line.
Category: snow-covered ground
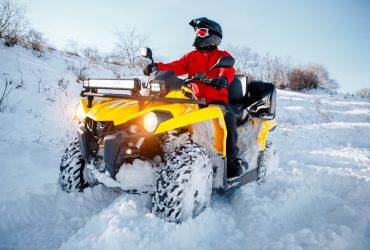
318,199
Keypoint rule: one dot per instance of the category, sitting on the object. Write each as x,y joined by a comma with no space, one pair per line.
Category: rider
208,35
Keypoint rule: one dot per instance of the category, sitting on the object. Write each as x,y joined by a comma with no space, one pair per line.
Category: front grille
99,129
100,126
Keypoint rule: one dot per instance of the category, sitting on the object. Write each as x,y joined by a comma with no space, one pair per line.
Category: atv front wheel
268,161
72,168
184,185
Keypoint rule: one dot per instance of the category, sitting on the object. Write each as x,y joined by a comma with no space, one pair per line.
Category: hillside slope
318,199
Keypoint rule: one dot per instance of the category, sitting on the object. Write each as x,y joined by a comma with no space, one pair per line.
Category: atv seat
238,89
237,93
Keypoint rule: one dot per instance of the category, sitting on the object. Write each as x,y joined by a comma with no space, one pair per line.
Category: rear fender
209,113
265,127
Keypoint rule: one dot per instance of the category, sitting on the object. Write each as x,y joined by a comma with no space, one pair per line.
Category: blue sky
335,33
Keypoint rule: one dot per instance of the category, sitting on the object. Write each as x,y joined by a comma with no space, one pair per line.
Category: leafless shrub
303,78
128,43
325,81
113,59
80,71
10,41
35,41
12,21
282,86
92,54
63,84
72,48
7,89
314,76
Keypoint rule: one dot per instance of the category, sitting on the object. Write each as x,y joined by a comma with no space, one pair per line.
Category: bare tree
365,92
265,68
128,43
279,68
257,67
273,69
12,19
246,61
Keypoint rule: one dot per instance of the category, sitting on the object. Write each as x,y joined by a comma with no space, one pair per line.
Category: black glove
149,69
219,82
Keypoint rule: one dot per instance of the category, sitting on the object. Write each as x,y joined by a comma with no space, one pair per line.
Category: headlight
79,113
150,122
121,84
157,87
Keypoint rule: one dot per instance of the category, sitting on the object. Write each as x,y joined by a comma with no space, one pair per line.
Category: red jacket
199,62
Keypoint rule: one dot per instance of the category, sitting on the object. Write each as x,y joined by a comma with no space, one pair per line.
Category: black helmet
212,38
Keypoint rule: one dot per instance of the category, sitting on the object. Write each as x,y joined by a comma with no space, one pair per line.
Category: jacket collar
208,49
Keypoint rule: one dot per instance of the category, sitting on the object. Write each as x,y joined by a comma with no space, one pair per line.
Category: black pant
232,135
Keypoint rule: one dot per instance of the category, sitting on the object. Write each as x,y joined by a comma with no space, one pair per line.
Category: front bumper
115,148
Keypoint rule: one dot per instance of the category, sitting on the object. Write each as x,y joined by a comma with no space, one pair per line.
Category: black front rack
91,87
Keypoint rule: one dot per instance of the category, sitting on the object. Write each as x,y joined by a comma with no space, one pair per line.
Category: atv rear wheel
268,161
184,185
71,169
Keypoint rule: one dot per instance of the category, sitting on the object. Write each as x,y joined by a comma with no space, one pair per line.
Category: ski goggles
201,32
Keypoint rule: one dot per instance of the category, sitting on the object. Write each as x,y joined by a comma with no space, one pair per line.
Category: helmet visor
201,32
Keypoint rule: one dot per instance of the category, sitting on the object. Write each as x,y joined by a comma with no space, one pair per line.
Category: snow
318,199
137,175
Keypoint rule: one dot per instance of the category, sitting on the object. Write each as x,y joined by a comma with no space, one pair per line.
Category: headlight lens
150,122
157,87
79,113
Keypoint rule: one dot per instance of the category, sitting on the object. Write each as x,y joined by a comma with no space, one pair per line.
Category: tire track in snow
128,224
305,206
45,217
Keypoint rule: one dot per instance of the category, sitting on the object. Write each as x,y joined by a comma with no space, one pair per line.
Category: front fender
209,113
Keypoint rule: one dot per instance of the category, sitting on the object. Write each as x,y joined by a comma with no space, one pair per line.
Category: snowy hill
318,199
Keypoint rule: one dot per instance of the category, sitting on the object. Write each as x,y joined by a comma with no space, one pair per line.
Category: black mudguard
83,135
111,152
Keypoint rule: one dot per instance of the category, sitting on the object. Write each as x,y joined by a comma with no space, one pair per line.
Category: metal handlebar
207,81
192,78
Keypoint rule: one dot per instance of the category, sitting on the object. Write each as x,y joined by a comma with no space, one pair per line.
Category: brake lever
189,80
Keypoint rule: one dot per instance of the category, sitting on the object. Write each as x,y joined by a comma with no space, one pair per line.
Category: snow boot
236,167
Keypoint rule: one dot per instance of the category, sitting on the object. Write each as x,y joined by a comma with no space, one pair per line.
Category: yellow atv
154,138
